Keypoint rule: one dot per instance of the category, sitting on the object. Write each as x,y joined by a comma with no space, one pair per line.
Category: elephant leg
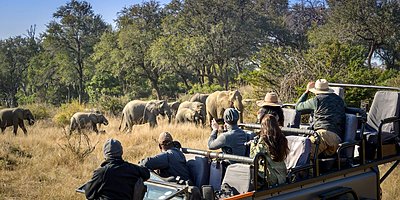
3,129
94,125
15,129
22,126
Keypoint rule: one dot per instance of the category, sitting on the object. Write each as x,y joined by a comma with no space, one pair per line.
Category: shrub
205,88
112,105
40,111
66,111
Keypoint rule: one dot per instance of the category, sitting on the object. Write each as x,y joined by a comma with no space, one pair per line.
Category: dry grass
35,167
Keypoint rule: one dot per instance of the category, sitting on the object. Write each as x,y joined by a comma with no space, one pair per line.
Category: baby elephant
15,117
81,120
187,115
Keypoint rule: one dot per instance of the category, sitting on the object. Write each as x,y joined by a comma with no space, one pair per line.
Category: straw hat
321,87
271,99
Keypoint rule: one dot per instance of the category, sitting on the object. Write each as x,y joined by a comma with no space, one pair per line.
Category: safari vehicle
371,139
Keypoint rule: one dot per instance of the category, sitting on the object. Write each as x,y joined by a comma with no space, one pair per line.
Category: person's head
321,87
231,116
165,141
272,135
112,149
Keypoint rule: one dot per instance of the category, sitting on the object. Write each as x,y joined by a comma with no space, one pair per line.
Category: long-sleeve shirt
329,111
115,179
231,142
169,163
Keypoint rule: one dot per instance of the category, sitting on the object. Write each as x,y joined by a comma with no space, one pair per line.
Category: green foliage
205,88
40,111
103,84
112,105
66,111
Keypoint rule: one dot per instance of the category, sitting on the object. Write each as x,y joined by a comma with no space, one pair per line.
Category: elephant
187,115
15,117
82,120
196,106
141,112
218,101
174,108
198,97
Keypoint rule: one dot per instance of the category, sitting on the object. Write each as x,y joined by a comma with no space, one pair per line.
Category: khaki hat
165,138
321,87
271,99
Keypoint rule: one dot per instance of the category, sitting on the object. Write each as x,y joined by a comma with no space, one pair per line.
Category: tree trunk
371,53
156,88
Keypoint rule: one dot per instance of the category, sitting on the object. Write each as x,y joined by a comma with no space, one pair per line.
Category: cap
112,149
231,115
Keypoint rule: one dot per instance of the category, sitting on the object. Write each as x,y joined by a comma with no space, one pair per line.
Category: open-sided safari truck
371,139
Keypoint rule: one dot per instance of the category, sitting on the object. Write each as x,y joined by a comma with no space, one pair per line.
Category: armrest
390,120
294,170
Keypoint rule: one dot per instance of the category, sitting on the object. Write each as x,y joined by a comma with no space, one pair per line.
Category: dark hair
273,137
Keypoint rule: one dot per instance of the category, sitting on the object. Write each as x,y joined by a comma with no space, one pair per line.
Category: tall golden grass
36,167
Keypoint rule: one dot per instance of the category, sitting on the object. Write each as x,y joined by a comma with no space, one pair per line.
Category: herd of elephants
197,110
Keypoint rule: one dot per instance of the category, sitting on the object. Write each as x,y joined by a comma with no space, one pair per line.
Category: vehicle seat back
349,134
199,168
299,154
292,118
384,105
339,91
239,177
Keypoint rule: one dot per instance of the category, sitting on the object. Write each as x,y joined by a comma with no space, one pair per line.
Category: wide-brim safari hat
321,87
271,99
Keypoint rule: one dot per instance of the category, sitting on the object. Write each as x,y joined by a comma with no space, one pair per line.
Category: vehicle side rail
285,187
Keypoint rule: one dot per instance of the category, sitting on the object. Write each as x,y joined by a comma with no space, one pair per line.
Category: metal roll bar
219,155
364,86
285,130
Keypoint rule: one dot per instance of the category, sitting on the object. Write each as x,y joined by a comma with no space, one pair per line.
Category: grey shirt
170,163
231,142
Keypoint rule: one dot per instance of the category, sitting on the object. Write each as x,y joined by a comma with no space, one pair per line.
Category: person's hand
310,85
214,125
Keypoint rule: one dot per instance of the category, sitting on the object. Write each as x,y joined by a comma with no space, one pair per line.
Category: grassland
38,167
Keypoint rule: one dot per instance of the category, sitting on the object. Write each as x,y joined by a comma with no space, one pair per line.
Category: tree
15,54
370,22
72,34
140,26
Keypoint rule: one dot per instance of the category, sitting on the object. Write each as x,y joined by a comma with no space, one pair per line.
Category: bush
112,105
66,111
40,111
205,88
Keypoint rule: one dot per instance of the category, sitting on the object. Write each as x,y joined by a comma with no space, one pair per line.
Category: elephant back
135,110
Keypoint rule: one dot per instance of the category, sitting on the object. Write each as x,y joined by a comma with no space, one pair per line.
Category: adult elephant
196,106
198,97
174,108
185,115
84,120
218,101
15,117
141,112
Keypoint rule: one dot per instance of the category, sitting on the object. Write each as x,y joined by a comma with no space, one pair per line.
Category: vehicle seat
384,112
345,151
239,177
292,118
199,168
298,158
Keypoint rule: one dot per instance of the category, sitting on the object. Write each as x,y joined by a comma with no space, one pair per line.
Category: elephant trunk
31,121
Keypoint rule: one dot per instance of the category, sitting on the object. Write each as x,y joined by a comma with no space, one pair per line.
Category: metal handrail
363,86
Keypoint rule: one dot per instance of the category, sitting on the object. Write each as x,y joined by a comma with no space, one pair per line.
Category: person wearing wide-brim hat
270,105
329,115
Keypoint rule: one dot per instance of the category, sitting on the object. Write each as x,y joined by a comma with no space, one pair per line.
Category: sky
16,16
